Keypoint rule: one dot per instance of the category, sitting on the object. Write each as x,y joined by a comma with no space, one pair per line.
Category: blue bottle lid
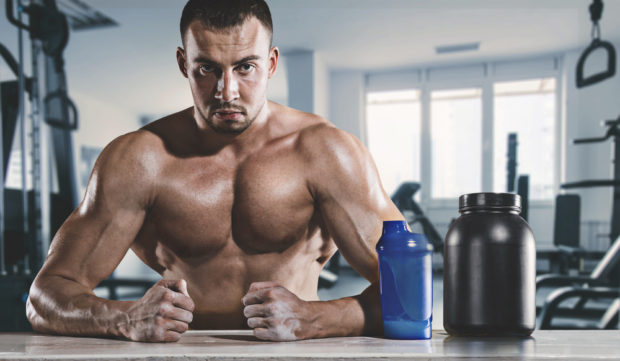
396,237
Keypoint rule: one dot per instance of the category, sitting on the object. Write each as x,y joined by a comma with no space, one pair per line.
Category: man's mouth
228,114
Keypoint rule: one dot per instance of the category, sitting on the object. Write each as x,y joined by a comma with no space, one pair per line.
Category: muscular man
238,202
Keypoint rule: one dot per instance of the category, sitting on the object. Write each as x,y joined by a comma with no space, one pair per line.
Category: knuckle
167,295
159,322
159,334
183,327
249,323
252,322
190,303
248,311
163,308
188,316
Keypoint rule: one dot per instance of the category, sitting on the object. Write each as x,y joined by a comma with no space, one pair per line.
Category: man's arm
89,246
347,190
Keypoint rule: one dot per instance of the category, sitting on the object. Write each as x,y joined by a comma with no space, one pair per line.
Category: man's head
228,59
225,14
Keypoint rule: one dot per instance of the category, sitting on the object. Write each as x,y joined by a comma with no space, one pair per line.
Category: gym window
456,142
393,135
459,119
527,108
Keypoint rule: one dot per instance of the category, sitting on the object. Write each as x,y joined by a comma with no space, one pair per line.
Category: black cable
9,59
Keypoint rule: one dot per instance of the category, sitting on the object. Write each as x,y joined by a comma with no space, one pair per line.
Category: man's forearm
349,316
57,305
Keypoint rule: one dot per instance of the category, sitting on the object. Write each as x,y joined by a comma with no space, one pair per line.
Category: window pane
393,129
528,109
456,142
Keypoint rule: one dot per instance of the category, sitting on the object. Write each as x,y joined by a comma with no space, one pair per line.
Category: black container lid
498,201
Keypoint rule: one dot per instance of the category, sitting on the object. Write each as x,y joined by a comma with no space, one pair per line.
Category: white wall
300,80
277,87
321,86
307,82
346,92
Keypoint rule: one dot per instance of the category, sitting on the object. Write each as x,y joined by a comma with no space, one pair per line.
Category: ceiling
371,34
128,65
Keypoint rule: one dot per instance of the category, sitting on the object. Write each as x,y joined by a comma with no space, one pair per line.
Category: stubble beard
228,126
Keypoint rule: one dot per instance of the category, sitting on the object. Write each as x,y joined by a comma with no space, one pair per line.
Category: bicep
353,205
95,237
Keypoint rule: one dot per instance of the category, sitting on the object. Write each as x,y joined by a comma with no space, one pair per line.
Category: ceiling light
456,48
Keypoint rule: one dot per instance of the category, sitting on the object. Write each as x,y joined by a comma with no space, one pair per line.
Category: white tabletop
240,345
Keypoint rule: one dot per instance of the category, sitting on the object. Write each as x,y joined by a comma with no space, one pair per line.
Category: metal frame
2,265
552,309
583,288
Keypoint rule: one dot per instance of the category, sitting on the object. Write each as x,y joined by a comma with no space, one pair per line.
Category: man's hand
276,314
161,315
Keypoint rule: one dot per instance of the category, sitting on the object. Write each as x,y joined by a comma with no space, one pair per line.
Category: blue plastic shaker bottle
406,282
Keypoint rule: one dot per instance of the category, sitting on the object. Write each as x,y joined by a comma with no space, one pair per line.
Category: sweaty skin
238,202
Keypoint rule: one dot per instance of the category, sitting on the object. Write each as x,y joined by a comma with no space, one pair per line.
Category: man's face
228,71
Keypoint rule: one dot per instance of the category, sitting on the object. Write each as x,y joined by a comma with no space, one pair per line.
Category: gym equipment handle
11,16
591,183
590,140
598,77
59,123
611,125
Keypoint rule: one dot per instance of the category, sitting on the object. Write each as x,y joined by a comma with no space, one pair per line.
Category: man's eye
245,68
206,69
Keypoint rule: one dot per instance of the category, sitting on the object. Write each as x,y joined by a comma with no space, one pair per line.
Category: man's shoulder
152,140
323,139
136,145
136,154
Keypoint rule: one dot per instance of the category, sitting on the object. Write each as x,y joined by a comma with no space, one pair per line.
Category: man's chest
262,204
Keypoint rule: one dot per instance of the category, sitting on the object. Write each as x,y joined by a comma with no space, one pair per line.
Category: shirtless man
238,202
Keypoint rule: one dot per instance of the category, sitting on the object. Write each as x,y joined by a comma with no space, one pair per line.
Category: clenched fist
276,314
161,315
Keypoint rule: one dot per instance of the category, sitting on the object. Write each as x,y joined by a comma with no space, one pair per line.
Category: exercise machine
30,217
579,298
404,201
522,182
613,131
568,252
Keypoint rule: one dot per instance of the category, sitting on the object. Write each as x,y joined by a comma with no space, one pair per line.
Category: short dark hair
224,14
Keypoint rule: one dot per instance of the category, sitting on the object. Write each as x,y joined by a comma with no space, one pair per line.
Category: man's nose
227,88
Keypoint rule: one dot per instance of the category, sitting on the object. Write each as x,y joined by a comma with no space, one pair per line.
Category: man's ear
274,53
181,61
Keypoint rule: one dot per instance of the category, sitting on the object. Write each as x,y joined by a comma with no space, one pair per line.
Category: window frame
365,121
427,156
523,69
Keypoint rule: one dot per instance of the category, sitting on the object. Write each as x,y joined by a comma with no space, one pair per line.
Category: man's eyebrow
246,59
202,59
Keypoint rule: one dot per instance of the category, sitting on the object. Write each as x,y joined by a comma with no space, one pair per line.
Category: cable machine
28,219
